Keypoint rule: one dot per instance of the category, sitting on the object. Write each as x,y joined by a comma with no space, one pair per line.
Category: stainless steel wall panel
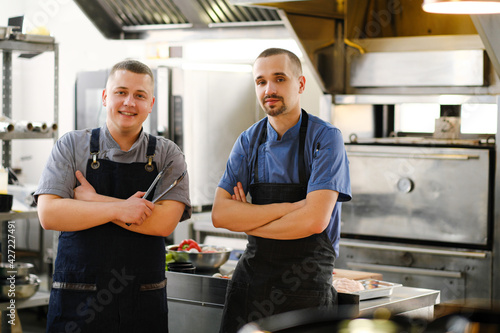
217,107
419,69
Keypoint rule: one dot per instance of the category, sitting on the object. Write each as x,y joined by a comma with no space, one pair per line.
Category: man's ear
302,84
104,95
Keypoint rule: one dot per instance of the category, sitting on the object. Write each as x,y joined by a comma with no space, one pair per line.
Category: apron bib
106,278
276,276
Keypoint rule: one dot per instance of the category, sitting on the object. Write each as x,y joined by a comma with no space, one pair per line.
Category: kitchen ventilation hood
346,41
343,41
128,19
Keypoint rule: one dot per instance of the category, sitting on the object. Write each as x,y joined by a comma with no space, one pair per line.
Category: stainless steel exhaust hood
355,46
128,19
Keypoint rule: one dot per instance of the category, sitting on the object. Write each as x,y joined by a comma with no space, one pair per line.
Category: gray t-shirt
72,152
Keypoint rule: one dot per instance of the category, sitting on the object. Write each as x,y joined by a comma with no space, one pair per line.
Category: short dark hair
133,66
277,51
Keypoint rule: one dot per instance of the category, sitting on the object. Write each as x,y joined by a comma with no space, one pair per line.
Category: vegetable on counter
191,246
188,244
168,259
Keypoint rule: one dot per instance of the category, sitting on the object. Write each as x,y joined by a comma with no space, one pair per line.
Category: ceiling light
462,6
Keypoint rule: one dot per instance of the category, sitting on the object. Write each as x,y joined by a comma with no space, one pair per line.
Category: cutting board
355,275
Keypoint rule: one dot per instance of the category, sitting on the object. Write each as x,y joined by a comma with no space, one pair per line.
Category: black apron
276,276
106,278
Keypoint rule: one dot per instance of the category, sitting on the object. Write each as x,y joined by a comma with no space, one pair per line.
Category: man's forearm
165,217
64,214
312,218
162,222
291,226
240,216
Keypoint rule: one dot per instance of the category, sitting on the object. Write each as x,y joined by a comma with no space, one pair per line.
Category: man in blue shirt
295,167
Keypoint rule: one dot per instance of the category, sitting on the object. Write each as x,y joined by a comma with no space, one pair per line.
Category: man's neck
124,139
284,122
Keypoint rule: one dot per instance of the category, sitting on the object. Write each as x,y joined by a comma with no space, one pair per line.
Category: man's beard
274,111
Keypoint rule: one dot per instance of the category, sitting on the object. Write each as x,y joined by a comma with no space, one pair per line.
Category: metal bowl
21,269
21,289
203,260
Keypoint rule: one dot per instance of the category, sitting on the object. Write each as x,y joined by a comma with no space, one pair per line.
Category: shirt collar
113,144
290,134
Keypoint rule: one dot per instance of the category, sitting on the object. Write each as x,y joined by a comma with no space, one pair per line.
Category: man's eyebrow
274,74
126,88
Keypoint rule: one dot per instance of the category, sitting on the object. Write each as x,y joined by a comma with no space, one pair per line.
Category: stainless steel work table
414,302
202,297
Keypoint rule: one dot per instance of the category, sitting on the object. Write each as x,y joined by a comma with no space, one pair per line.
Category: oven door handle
404,270
469,254
462,157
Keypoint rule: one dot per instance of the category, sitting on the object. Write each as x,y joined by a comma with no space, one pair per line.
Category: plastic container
6,201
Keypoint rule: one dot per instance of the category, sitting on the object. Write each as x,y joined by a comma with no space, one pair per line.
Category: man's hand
85,191
135,210
239,194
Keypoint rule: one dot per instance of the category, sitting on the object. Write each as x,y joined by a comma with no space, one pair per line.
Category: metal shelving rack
31,46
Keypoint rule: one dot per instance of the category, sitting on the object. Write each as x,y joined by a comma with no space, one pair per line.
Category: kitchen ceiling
126,19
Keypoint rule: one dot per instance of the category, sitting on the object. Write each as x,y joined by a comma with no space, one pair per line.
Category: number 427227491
11,244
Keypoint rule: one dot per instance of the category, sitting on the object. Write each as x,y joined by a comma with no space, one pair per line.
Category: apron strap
94,141
150,153
263,137
302,142
94,147
151,145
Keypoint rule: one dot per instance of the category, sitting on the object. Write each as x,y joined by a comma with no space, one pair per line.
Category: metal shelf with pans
27,46
27,135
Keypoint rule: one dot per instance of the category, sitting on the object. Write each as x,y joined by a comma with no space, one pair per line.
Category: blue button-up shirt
327,166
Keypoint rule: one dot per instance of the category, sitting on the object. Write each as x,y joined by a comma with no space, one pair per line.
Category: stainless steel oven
422,215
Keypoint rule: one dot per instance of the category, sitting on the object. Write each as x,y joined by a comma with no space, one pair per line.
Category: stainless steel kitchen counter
196,301
404,300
